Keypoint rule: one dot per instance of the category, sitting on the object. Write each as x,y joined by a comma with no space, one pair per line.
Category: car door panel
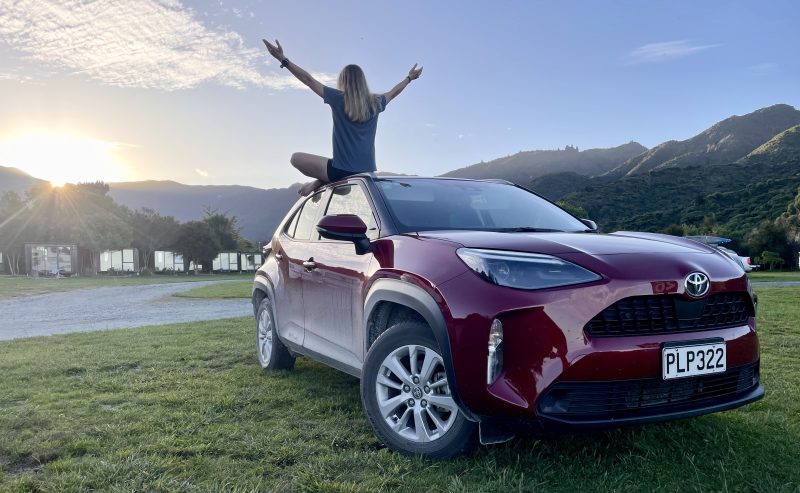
289,295
294,249
332,290
333,304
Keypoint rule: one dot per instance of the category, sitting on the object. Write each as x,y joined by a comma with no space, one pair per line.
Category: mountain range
525,166
753,159
725,142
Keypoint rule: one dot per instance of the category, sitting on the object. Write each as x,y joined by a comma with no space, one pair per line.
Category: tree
224,228
198,243
81,214
789,222
90,219
573,209
769,237
770,259
674,230
14,215
245,245
152,231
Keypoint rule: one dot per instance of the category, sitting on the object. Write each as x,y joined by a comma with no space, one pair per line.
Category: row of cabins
47,259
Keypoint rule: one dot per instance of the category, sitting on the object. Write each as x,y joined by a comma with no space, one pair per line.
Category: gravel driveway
86,310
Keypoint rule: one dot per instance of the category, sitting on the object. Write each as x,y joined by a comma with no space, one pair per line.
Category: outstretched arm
413,74
276,50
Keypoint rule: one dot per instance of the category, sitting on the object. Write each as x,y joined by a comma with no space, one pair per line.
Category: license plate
679,360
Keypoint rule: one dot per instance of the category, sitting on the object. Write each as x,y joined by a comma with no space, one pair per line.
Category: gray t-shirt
353,143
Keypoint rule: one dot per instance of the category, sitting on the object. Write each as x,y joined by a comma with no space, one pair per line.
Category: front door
332,288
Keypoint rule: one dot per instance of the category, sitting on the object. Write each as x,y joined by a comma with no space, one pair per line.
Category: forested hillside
528,165
257,210
722,143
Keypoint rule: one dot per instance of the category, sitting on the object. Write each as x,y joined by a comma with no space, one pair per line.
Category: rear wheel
407,397
272,354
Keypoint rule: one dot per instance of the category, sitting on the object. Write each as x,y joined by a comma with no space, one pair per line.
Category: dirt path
87,310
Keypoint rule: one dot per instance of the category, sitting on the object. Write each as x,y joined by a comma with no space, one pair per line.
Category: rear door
332,289
293,250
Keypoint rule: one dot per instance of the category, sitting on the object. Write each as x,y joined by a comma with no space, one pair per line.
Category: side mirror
590,224
345,227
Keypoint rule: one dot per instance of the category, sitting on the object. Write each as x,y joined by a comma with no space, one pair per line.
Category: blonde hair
359,103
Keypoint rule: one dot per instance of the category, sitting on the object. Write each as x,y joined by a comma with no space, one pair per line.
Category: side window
290,228
350,199
308,218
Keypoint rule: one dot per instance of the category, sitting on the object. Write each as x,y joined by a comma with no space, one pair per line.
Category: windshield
431,204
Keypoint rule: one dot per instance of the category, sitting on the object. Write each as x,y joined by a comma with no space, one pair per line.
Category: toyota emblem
697,284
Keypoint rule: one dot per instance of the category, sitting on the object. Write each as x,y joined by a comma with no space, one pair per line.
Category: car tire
272,353
409,403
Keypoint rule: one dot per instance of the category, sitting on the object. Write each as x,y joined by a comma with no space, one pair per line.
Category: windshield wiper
526,229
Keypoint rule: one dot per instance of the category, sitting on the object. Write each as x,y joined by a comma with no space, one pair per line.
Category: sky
122,90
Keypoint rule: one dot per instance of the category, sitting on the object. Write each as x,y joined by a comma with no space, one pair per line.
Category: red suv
475,309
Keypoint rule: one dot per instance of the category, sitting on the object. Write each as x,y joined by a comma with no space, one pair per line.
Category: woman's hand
414,73
276,50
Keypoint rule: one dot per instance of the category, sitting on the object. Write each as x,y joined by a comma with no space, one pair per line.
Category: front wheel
408,399
272,354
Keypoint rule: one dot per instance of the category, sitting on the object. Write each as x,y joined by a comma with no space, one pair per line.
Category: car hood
623,255
619,243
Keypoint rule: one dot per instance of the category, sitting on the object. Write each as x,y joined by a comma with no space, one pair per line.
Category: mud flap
492,431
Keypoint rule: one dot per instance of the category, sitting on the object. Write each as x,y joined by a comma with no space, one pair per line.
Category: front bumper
547,350
602,404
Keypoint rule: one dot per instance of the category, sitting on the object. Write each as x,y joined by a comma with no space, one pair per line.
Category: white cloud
15,77
662,52
201,172
135,43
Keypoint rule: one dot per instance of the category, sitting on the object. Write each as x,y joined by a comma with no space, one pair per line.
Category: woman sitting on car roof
355,118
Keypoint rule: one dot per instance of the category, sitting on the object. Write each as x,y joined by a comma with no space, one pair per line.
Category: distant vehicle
745,262
716,241
475,309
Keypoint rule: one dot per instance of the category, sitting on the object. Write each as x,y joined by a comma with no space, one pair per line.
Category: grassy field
186,408
238,289
26,286
774,276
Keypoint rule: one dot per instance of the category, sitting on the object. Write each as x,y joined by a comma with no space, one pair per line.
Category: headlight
524,270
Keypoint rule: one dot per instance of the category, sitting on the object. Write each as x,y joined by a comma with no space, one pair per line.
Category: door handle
310,264
278,257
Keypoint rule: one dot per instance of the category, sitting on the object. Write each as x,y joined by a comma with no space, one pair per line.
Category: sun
63,158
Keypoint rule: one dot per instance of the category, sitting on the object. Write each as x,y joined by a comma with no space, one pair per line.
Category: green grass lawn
774,276
186,408
237,289
27,286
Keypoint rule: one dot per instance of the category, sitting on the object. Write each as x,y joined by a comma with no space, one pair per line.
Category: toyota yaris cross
471,310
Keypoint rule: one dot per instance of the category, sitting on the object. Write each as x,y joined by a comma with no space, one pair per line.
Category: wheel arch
262,288
385,296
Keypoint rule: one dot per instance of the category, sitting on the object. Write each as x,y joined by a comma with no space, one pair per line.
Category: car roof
376,177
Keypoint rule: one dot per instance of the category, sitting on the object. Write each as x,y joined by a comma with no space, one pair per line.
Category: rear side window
307,219
351,199
292,225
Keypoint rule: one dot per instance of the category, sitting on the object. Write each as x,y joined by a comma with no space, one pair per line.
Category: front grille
628,398
667,314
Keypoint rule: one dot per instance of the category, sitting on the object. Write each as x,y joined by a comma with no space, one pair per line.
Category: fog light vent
494,363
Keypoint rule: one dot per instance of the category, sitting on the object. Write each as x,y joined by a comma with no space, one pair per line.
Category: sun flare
64,158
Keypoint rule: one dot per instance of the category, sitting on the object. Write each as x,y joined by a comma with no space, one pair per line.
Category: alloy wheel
265,337
413,394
